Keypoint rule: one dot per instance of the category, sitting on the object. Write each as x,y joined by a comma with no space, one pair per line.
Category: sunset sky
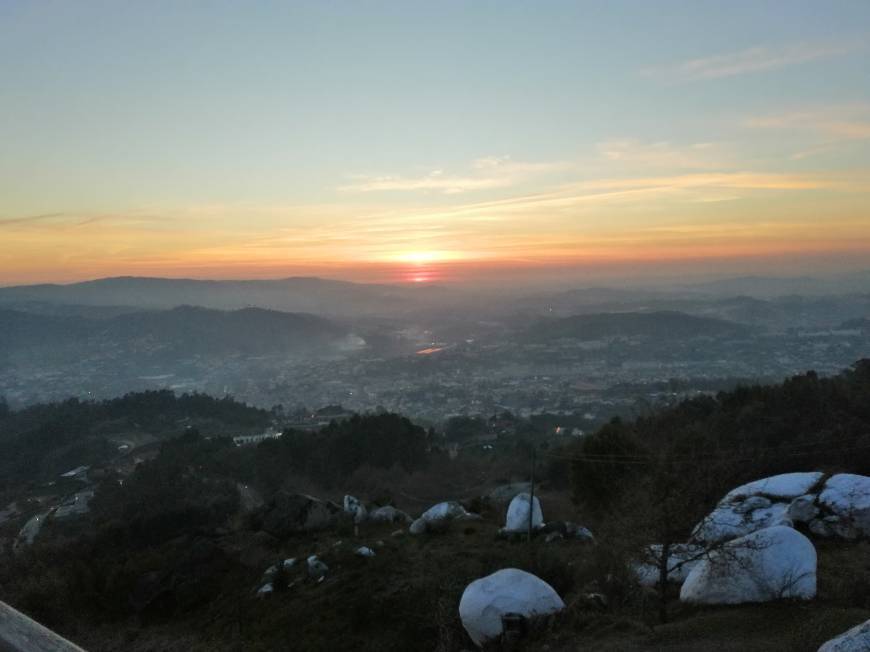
433,141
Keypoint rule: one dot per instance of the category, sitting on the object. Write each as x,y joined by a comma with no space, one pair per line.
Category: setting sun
423,257
466,264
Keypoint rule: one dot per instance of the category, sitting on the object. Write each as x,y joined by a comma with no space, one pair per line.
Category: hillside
659,325
172,552
184,330
43,440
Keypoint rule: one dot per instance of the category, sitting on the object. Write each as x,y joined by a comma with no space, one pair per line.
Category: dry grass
406,598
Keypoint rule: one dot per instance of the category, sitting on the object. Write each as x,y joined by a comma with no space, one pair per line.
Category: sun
420,257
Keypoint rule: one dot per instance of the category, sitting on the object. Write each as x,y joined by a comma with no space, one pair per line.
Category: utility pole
532,492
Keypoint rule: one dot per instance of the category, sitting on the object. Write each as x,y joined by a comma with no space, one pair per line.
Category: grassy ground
406,598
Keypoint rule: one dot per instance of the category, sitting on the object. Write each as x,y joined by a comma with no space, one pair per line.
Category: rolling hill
661,324
184,330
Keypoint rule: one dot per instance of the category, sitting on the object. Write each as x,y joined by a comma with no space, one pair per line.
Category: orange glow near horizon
470,158
570,228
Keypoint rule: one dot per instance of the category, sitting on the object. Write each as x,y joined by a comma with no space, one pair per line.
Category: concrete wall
18,633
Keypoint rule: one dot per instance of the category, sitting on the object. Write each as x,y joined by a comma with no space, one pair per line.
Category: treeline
334,452
187,486
805,423
49,438
191,463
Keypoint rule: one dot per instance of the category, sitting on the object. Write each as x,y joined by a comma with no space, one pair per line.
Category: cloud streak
749,61
484,174
848,122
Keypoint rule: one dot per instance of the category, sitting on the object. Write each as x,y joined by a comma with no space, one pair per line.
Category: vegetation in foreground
170,558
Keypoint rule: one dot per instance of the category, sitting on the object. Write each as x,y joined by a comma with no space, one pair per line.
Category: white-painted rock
445,511
856,639
682,558
769,564
508,591
365,551
266,590
316,568
758,504
417,527
583,533
847,497
782,487
389,514
517,518
355,507
837,507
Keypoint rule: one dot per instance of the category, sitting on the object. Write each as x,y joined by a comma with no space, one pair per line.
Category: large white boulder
837,507
856,639
759,504
769,564
847,497
783,487
508,591
517,518
734,519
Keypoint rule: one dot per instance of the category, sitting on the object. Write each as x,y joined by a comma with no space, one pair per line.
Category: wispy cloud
435,180
751,60
846,122
29,219
607,217
482,174
664,154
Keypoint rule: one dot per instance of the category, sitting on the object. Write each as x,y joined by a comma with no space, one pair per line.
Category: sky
457,142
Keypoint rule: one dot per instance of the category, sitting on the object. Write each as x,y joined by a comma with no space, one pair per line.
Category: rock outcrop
837,506
288,514
388,514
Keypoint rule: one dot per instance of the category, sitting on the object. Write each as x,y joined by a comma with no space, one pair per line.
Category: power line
755,449
652,459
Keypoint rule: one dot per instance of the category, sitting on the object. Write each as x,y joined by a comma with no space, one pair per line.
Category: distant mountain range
661,325
182,331
776,303
776,286
298,294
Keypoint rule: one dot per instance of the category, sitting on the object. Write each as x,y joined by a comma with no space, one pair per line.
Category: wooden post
532,493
